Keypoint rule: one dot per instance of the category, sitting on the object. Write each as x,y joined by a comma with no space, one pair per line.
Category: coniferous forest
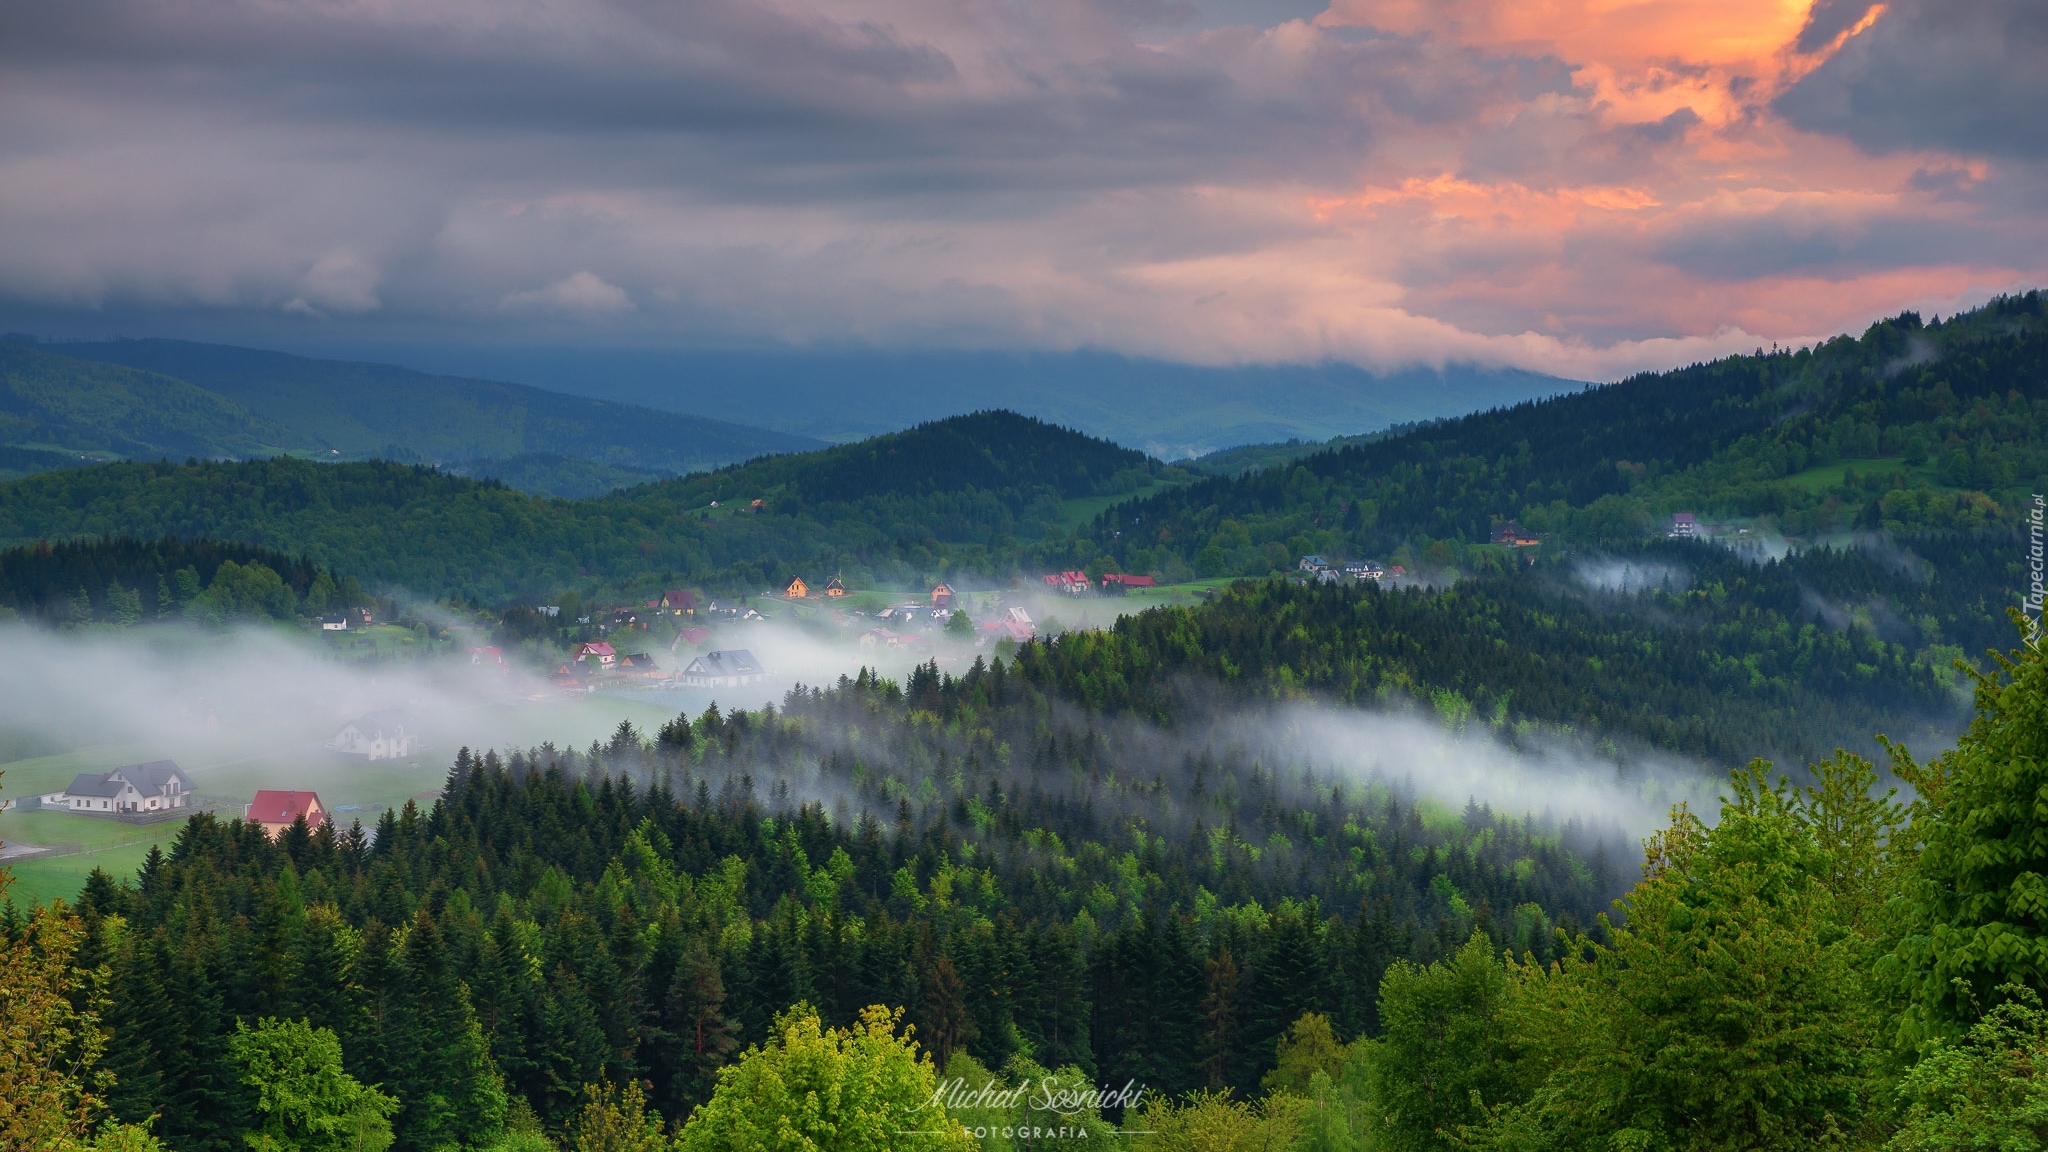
631,942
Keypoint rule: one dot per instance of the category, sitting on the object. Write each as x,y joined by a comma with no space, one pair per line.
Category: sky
1580,187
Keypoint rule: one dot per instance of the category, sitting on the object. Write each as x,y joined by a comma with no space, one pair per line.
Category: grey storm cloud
764,98
1210,180
1967,76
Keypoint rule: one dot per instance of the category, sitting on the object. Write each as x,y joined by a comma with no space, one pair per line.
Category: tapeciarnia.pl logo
2037,524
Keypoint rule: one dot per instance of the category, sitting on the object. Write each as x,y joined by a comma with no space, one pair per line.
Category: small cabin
797,590
276,810
1513,535
835,587
942,596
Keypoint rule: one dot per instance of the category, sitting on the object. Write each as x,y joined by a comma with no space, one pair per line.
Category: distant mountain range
65,404
1170,411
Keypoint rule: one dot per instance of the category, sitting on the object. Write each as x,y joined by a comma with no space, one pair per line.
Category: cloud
1959,76
1568,187
578,292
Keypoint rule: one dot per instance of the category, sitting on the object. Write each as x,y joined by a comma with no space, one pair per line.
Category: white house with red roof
277,810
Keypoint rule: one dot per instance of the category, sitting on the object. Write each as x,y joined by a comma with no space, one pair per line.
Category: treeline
1704,653
1942,425
1027,882
974,494
125,581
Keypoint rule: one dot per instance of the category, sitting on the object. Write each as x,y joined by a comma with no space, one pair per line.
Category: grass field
1075,513
40,881
1821,477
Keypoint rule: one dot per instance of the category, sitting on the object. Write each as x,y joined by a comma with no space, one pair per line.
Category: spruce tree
1979,888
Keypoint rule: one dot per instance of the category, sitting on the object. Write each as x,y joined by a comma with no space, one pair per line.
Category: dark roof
94,784
731,662
152,777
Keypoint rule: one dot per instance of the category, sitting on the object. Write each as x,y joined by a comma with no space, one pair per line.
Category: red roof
1130,581
600,648
275,807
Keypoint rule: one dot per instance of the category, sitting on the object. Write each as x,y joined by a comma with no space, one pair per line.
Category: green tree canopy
866,1088
308,1103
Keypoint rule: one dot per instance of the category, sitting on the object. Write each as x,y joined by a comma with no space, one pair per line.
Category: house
570,674
731,668
640,665
1513,535
884,638
490,656
1684,526
1311,564
626,616
1073,583
695,634
1363,570
680,602
153,787
334,623
383,735
757,505
1326,575
942,596
835,587
797,590
597,652
276,810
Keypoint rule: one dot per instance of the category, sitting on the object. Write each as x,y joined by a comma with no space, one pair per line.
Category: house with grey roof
157,786
727,669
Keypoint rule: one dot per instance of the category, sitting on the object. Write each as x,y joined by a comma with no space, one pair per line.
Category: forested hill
57,404
362,410
1912,426
994,451
966,494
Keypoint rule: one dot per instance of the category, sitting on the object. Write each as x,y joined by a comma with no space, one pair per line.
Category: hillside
1911,427
358,410
55,402
966,494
